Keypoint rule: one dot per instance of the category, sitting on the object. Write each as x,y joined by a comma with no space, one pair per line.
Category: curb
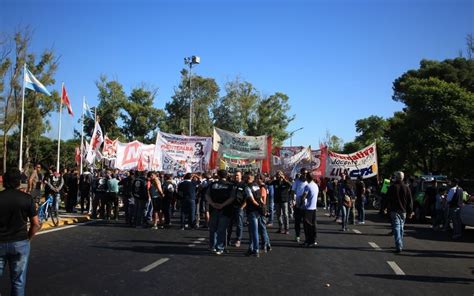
65,220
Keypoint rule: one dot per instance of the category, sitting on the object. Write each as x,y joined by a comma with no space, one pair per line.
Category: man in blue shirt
310,199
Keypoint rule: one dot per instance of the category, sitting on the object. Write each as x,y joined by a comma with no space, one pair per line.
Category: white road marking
201,239
396,268
375,246
356,231
191,245
64,227
154,264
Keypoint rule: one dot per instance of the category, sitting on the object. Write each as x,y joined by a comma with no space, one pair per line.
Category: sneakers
252,253
297,239
286,232
268,248
219,252
237,244
154,227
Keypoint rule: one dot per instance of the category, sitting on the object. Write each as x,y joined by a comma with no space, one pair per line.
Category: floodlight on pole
291,135
190,61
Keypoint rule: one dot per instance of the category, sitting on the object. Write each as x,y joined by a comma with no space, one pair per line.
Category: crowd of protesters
218,202
224,202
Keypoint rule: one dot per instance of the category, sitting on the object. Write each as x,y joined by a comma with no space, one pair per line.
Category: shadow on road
421,278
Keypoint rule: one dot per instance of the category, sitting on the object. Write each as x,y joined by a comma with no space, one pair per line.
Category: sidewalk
66,219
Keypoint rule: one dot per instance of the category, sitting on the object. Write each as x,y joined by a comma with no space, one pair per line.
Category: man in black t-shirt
220,199
16,208
282,189
238,206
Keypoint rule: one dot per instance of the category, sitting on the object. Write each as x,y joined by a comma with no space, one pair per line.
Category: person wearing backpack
140,195
169,190
100,196
455,203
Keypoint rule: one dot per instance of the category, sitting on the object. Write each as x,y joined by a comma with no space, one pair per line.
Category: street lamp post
193,60
291,135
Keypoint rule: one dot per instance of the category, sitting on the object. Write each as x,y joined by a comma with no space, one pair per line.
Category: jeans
309,223
345,212
237,220
140,207
282,214
262,229
325,199
148,212
455,216
85,200
253,231
16,255
271,204
188,209
167,210
360,209
217,230
398,222
299,215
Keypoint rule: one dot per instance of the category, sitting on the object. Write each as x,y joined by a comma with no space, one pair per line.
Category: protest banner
361,163
232,145
243,165
130,155
318,162
110,148
182,154
290,166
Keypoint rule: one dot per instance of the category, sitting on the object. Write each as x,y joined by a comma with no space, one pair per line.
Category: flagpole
82,133
20,162
59,132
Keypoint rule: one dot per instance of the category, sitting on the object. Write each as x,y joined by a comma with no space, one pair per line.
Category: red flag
78,156
65,101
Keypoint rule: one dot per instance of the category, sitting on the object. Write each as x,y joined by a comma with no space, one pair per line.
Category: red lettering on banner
131,153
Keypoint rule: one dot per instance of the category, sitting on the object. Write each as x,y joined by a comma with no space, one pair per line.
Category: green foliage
438,123
140,118
334,143
205,93
37,106
236,110
112,99
271,118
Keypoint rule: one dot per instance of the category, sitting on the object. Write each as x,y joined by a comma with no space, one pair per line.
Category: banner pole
59,131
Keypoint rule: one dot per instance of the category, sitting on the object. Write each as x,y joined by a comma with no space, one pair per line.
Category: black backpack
139,189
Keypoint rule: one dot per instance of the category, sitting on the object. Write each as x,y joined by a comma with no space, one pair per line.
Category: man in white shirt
297,190
454,200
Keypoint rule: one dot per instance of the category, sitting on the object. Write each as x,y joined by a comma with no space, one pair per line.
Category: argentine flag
32,83
87,110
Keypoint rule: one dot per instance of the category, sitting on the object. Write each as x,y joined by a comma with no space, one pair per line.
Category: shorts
157,204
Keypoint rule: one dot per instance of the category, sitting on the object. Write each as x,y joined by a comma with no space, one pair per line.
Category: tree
112,99
205,92
139,116
372,129
333,142
236,110
37,106
437,121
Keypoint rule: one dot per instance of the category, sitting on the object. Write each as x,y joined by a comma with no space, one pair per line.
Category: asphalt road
108,258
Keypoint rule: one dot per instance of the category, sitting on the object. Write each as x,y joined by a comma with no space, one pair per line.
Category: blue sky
335,59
